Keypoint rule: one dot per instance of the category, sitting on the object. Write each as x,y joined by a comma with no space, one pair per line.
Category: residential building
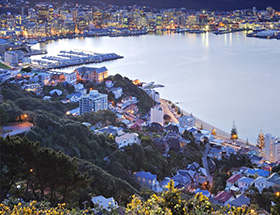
79,87
117,92
182,180
127,139
186,121
13,57
112,130
125,102
148,179
96,75
274,179
244,183
31,87
154,95
272,148
109,84
260,183
222,198
156,115
233,180
70,78
94,101
44,77
258,172
215,153
105,203
239,201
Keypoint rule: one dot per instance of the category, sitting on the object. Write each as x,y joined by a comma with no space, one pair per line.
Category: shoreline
220,133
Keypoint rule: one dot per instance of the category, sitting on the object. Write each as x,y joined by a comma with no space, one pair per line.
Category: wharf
35,52
73,58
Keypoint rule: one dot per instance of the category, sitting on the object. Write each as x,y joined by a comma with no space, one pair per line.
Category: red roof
234,178
223,196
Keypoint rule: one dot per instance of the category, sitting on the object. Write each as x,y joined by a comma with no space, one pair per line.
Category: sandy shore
220,134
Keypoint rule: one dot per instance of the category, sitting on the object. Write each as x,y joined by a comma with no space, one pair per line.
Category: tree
40,169
233,133
4,117
171,202
260,140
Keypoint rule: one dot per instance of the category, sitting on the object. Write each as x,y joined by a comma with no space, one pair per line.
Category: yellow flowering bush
36,208
170,203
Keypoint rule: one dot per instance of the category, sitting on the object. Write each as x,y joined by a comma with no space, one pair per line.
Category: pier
73,58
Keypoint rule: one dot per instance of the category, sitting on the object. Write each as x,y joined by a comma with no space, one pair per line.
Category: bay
218,78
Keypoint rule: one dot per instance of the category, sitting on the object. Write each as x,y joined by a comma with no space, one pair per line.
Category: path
205,163
167,110
16,129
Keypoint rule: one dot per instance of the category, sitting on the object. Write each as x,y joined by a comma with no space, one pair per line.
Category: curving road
16,129
167,110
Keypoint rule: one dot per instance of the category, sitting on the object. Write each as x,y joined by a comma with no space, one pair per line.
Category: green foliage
219,182
171,202
42,169
129,89
106,117
276,169
11,112
107,185
4,117
32,104
275,210
14,92
262,200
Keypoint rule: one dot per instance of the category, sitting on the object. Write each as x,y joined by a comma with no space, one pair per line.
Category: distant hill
201,4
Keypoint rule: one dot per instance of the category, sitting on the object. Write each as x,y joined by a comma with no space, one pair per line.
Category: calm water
217,78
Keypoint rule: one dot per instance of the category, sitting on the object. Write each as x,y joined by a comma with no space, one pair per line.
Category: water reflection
219,78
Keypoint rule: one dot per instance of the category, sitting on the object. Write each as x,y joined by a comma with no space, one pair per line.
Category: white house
70,78
244,183
104,203
117,92
260,183
233,180
58,92
125,102
78,87
109,84
148,179
127,139
186,121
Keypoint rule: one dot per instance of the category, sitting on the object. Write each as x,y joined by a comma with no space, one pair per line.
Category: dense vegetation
170,202
109,170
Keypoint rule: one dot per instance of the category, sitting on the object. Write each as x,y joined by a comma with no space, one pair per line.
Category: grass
4,66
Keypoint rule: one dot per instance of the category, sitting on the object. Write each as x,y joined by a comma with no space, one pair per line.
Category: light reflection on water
219,78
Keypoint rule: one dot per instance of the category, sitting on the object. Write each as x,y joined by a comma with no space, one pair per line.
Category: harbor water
218,78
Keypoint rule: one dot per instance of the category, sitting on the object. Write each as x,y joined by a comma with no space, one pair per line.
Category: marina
73,58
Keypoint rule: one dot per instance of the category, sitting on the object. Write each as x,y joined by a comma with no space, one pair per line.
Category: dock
73,58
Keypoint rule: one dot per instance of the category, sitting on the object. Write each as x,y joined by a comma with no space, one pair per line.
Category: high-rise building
81,22
156,115
13,57
272,148
43,13
94,101
50,14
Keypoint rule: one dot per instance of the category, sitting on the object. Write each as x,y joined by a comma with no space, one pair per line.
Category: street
16,129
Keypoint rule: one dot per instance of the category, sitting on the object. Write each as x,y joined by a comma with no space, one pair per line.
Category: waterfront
217,78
